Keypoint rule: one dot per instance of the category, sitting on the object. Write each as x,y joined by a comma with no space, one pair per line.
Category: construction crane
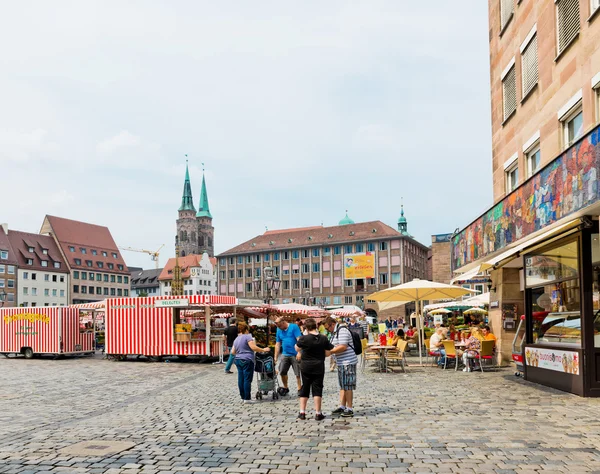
153,255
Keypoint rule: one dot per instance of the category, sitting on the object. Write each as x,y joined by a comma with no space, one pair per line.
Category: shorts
286,363
314,381
347,376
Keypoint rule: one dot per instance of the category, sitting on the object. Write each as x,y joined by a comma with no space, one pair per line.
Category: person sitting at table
436,344
472,345
452,333
487,334
410,333
398,336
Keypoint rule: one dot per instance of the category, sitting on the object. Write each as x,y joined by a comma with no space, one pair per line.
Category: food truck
161,326
54,331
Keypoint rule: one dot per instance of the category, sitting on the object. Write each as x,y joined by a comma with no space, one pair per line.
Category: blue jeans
229,361
245,376
442,359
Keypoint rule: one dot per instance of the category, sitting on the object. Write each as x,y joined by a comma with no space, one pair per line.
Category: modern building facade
96,266
540,240
42,274
197,271
145,282
312,263
195,232
8,269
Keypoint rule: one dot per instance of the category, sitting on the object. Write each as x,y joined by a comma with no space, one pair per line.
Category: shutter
509,92
529,66
568,22
507,8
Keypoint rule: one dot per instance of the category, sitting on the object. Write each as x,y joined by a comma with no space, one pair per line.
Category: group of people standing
304,351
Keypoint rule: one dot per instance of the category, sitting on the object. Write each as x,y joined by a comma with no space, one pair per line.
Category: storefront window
558,263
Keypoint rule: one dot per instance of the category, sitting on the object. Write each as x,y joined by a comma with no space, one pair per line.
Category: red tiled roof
70,233
22,241
315,236
5,245
184,262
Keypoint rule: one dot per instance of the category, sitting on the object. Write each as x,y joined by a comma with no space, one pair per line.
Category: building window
594,5
240,260
99,277
296,284
348,283
115,255
316,252
395,278
257,272
33,290
512,178
91,276
84,275
327,251
62,293
30,249
286,255
104,254
305,268
371,281
286,285
3,254
248,258
360,248
568,26
316,267
83,250
305,283
509,91
113,279
111,266
56,264
533,157
25,290
295,270
89,263
257,258
286,272
100,264
337,250
573,126
29,261
337,300
119,279
2,282
10,269
295,254
529,65
276,257
105,278
371,247
94,252
383,278
44,263
54,293
34,276
25,275
105,291
125,292
77,261
507,10
119,292
71,249
120,267
75,288
76,274
113,292
248,287
62,279
348,249
54,278
305,253
383,245
348,300
240,273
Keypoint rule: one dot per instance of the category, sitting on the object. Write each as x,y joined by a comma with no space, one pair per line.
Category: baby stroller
267,380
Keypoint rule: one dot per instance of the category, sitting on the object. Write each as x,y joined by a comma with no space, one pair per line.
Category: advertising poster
553,359
359,265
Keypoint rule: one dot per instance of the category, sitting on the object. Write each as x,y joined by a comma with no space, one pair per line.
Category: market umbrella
417,291
440,311
475,311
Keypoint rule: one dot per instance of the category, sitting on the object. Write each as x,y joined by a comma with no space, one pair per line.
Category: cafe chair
430,354
368,355
486,354
399,354
451,353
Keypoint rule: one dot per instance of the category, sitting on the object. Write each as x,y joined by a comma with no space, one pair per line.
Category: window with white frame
594,5
507,10
568,23
533,157
512,177
529,65
509,91
572,125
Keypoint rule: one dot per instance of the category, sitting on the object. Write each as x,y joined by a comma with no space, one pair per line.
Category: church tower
206,231
187,228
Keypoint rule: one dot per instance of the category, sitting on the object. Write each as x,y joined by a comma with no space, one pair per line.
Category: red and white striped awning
90,305
292,309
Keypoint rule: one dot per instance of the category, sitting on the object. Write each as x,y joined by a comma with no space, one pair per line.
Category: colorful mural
564,186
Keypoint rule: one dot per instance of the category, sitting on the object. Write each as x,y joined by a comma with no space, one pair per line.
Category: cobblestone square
187,417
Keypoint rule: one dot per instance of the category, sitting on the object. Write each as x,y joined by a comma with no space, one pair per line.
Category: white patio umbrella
475,311
440,311
418,291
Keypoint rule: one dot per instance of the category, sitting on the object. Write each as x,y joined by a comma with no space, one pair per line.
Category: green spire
203,209
346,220
402,223
187,202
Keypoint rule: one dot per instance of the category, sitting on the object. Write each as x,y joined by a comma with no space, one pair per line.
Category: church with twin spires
195,232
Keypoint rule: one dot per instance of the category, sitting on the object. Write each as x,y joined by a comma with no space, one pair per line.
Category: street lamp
2,297
267,290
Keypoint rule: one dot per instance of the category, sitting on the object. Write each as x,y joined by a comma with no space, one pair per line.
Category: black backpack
356,342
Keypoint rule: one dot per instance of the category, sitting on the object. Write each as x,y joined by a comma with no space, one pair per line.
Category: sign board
248,302
553,359
359,265
172,303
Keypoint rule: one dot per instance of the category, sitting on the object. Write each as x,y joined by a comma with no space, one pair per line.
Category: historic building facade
195,232
311,262
197,271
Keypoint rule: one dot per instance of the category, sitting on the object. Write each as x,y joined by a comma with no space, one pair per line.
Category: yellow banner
359,265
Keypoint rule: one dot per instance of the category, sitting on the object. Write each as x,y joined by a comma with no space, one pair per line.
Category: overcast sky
300,110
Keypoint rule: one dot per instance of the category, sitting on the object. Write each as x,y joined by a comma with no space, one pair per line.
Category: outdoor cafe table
382,356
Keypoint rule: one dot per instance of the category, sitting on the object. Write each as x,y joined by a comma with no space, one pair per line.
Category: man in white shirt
435,343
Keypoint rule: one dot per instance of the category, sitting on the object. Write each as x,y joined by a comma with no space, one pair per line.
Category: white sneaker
467,369
249,402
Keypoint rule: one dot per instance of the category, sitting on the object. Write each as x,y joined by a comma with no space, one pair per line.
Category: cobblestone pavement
187,417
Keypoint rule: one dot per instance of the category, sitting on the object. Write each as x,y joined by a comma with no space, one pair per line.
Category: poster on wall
553,359
509,315
359,265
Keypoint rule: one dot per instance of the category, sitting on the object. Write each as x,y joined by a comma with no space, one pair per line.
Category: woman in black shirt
312,349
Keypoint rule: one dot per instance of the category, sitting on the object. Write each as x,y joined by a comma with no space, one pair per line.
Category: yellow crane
153,255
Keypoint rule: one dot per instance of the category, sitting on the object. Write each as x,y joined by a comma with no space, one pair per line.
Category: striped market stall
165,325
47,330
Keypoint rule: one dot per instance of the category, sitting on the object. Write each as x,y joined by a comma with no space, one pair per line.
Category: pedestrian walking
312,349
364,326
244,348
285,344
346,360
231,332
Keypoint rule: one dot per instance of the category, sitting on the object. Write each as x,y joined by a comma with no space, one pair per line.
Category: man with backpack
346,347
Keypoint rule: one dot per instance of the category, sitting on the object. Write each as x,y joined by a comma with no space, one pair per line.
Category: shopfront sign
248,302
172,303
553,359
